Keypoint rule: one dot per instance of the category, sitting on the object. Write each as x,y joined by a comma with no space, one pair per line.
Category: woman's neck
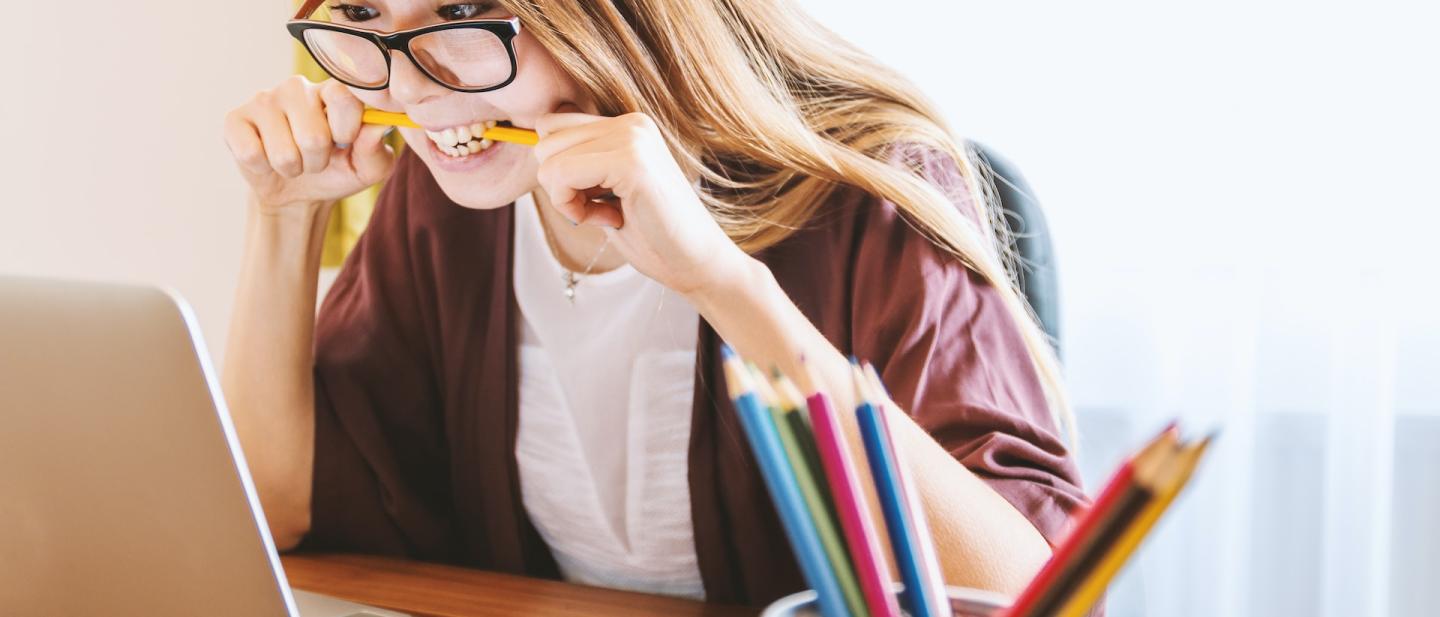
575,246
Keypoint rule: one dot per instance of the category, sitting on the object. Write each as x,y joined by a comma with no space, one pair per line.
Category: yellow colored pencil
1095,584
497,133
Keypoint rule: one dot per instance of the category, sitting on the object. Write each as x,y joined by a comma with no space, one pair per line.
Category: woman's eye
353,12
469,10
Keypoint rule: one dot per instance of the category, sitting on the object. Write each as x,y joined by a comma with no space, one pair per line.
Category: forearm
982,540
268,377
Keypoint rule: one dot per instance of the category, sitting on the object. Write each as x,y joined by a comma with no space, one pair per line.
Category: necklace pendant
570,281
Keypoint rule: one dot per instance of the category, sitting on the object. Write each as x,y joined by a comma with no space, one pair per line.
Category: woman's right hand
303,143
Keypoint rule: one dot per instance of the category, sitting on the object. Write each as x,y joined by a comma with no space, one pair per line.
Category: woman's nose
408,85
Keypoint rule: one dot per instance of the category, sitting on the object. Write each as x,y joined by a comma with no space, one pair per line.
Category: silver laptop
123,490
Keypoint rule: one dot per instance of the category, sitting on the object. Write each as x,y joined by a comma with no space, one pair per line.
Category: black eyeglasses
476,55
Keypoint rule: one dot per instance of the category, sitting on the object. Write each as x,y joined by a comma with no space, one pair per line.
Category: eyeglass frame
504,29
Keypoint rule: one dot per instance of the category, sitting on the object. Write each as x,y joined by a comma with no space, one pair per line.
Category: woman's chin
486,180
476,198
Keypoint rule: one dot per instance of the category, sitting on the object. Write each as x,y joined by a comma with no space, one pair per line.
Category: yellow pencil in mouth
508,134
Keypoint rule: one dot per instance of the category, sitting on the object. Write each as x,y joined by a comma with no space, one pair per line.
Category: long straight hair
774,113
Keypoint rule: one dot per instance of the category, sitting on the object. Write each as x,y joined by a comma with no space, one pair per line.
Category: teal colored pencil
784,491
810,479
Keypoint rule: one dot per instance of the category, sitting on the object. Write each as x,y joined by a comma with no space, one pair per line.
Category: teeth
462,141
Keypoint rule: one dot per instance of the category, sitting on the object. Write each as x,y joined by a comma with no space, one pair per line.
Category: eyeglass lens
469,58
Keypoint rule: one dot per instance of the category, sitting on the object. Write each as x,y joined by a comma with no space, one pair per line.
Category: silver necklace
569,277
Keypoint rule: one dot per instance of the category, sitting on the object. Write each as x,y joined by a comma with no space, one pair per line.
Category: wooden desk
432,590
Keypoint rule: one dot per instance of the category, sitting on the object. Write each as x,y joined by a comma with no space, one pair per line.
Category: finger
342,111
280,149
602,213
578,140
306,115
573,138
370,157
559,121
243,140
615,134
370,137
567,176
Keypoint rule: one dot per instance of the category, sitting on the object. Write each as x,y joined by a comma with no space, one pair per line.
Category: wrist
301,216
737,278
291,233
295,211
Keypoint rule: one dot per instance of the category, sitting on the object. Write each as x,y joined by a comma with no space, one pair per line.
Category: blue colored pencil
907,534
784,491
799,444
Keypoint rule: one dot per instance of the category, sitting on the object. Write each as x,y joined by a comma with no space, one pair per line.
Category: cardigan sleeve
952,356
375,399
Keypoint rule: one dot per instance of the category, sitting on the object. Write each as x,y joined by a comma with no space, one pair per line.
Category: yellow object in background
350,215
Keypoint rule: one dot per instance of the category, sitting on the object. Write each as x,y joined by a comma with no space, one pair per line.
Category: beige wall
114,167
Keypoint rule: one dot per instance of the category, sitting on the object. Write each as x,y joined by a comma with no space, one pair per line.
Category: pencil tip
873,376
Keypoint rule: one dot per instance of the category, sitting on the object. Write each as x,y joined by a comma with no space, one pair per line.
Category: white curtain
1243,200
1322,496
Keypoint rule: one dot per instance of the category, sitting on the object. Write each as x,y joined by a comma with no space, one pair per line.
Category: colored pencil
495,133
1084,536
854,512
1167,485
905,543
790,505
934,578
815,485
1127,509
797,416
787,417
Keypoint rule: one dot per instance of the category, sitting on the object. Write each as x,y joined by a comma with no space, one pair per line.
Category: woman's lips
470,162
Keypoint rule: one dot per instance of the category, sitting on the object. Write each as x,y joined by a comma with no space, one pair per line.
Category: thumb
370,156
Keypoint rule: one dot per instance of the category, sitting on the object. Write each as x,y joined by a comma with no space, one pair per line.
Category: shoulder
863,262
873,231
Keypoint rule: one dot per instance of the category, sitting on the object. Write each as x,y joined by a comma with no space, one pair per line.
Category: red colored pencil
855,516
1089,525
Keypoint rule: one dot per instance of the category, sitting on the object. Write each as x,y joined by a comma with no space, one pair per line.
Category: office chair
1030,238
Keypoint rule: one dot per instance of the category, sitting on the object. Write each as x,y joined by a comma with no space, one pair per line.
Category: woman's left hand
656,219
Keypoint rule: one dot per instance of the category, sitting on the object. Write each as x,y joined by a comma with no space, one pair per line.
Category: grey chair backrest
1030,238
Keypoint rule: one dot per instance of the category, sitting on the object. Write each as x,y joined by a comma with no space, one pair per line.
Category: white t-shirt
606,393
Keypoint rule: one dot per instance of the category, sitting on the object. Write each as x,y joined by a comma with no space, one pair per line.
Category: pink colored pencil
855,519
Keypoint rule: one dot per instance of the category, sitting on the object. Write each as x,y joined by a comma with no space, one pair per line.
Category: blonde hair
774,112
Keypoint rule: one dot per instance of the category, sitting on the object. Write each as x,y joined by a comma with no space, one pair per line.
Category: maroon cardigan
416,381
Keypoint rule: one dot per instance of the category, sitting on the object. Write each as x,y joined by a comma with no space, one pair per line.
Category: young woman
518,366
